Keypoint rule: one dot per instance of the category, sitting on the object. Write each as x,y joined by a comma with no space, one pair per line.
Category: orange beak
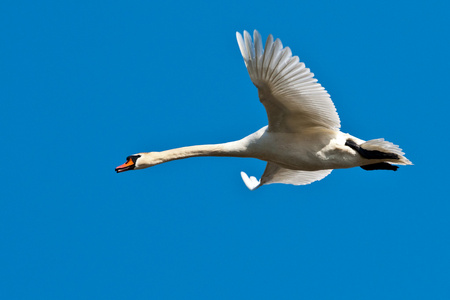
129,165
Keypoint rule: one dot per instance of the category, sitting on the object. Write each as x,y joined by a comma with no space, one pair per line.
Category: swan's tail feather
387,147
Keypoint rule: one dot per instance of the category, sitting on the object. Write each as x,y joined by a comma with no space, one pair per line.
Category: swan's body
302,142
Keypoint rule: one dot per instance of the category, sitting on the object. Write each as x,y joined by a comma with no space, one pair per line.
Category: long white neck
242,148
233,149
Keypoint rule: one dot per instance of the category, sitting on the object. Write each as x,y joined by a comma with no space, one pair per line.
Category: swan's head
131,164
140,161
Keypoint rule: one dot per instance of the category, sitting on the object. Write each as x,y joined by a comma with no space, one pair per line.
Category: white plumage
302,142
291,95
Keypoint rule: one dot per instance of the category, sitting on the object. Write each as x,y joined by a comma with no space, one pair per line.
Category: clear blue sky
86,83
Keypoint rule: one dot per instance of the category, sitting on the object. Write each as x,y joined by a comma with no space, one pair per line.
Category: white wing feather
251,182
292,97
277,174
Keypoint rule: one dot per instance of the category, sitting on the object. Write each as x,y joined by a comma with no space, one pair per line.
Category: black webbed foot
380,166
370,154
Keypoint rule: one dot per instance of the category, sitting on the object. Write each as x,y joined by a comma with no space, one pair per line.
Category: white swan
302,142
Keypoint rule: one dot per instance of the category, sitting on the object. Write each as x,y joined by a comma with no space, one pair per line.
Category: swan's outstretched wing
292,97
277,174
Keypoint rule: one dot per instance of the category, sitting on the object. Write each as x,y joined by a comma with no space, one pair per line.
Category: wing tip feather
251,182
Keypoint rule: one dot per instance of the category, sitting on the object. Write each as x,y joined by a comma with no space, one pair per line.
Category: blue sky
86,83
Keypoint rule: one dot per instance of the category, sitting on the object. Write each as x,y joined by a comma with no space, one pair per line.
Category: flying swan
302,142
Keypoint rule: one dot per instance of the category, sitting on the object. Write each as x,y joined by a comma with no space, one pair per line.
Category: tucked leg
380,166
370,154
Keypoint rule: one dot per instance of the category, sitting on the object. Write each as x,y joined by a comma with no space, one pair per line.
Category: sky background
84,84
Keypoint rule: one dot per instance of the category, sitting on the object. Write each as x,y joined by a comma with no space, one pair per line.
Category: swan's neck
233,149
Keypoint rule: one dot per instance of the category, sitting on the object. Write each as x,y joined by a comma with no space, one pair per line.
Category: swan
302,142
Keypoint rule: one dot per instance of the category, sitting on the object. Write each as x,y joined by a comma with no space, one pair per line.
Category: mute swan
302,142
